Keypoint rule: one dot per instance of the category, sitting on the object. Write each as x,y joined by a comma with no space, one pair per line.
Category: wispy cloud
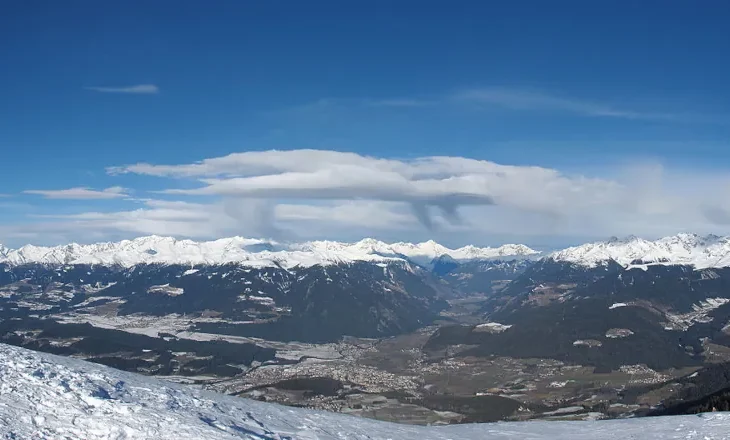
139,89
80,193
522,99
398,102
506,98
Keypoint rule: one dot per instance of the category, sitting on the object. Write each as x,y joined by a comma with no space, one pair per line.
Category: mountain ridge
709,251
249,252
701,252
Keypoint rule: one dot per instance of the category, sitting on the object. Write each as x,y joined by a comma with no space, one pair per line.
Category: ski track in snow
44,396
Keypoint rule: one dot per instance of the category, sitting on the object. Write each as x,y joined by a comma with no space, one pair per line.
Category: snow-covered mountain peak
690,249
504,250
430,244
47,396
370,242
247,251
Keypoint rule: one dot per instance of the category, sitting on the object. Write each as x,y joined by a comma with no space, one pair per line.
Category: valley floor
392,379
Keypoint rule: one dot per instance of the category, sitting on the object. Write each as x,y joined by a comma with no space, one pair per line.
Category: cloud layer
445,183
304,194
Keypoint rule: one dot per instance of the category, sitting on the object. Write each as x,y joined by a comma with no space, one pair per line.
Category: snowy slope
246,251
700,252
49,397
420,253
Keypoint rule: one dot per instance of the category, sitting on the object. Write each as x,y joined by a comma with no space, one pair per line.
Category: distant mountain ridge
710,251
682,249
617,302
249,252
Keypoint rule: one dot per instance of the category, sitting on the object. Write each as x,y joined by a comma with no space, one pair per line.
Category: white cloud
305,194
80,193
434,190
224,218
441,182
361,214
139,89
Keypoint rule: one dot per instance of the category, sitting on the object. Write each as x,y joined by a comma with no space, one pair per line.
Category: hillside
45,396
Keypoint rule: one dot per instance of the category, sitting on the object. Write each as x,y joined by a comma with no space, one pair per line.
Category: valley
413,340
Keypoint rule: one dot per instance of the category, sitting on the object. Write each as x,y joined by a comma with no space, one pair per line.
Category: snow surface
43,396
494,327
587,342
699,314
690,249
617,305
615,333
248,252
166,289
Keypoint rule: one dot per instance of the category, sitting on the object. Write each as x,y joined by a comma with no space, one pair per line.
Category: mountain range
163,306
249,252
662,303
681,249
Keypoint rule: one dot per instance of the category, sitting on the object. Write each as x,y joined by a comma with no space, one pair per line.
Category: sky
467,122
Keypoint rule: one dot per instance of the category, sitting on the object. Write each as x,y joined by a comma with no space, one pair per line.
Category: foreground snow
247,251
49,397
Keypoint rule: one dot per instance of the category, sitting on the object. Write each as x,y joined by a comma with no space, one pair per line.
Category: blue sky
595,90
